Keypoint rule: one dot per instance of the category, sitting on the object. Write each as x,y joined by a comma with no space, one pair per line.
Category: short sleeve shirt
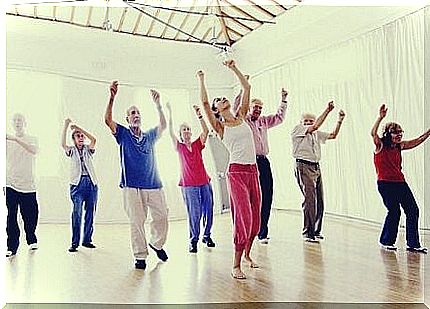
193,172
307,146
137,158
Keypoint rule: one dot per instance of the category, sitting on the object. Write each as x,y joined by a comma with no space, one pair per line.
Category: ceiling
223,22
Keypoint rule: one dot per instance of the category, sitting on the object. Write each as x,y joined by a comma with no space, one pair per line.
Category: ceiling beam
136,25
261,9
243,12
152,22
185,20
121,21
168,21
197,25
238,22
206,34
235,32
72,14
279,5
223,26
90,11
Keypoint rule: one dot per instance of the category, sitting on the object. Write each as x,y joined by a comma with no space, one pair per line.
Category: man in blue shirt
140,183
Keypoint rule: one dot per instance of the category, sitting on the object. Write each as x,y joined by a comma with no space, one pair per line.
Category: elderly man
259,126
307,142
140,183
20,186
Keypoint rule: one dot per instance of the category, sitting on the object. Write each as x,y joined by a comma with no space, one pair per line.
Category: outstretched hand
341,115
197,110
284,94
229,64
67,122
200,74
383,111
113,88
155,96
330,106
74,127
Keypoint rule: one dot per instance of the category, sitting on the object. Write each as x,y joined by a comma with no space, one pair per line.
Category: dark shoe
73,248
10,253
208,241
140,264
193,247
88,245
319,236
310,239
417,250
161,254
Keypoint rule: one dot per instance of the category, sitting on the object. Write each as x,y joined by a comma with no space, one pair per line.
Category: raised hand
246,76
383,111
200,74
113,88
197,110
229,63
74,127
67,122
10,137
330,106
341,115
155,96
284,94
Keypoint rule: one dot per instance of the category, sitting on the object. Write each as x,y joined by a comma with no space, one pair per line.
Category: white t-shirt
20,165
307,146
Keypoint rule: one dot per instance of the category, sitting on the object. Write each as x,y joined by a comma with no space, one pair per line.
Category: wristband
200,117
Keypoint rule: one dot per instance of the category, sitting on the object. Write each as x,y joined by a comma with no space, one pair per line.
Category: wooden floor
346,267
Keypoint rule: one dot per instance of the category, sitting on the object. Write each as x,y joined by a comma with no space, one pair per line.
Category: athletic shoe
193,247
10,253
140,264
88,245
33,246
73,248
389,247
417,250
319,236
208,241
161,254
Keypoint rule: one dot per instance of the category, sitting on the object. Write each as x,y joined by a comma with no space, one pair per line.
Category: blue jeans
86,192
394,195
199,201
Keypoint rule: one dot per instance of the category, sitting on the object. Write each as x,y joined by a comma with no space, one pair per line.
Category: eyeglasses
395,132
216,100
79,135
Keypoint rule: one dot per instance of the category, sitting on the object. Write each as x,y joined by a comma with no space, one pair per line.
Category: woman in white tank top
243,182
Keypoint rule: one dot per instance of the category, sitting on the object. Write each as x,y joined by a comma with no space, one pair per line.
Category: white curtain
382,66
47,99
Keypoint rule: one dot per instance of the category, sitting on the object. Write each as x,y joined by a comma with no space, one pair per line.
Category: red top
388,164
193,171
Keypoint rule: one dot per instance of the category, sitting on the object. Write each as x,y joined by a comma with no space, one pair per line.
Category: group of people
243,131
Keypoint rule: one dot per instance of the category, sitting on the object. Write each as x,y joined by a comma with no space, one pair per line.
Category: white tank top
240,144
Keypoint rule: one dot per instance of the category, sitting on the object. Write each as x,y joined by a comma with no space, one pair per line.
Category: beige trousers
136,205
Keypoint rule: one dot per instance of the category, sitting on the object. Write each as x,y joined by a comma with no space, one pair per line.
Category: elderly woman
392,185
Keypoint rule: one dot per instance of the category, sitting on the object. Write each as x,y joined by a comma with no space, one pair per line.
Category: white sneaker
33,246
308,239
417,250
264,241
389,247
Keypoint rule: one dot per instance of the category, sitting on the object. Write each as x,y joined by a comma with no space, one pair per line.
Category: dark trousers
84,192
394,195
310,182
266,186
29,210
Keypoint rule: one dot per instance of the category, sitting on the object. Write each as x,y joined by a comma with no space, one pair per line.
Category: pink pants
245,203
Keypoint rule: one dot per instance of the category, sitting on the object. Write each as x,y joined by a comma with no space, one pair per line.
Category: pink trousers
245,203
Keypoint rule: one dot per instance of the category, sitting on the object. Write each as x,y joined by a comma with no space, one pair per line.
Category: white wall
381,66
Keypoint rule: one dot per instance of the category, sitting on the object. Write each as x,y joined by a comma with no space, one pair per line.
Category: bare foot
252,264
237,273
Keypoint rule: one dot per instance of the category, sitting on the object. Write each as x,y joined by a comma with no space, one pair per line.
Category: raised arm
374,132
171,131
415,142
29,147
205,130
334,134
321,118
237,99
278,118
215,123
64,133
87,134
246,87
156,98
108,114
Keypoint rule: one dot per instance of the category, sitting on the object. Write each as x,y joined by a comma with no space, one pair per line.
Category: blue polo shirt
138,165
